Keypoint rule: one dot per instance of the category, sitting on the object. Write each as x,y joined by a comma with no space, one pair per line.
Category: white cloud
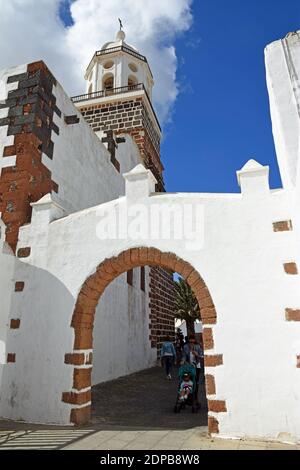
31,30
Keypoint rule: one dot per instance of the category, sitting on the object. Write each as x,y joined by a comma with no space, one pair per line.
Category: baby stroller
191,399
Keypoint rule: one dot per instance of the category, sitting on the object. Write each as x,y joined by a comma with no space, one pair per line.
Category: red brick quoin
84,313
29,179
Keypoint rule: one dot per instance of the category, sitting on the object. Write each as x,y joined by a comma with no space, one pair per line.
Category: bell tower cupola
118,65
118,100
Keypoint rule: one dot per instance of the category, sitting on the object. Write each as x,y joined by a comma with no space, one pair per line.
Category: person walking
179,342
193,353
168,356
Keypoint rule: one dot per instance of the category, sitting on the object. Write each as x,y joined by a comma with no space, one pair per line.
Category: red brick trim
81,416
30,122
94,286
11,357
217,406
291,268
79,359
292,314
213,425
77,398
213,360
283,226
82,378
210,384
208,339
23,252
19,286
15,323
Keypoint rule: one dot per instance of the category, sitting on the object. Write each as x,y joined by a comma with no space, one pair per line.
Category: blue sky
221,117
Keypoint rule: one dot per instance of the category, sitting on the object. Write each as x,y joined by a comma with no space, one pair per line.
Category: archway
132,81
83,321
108,82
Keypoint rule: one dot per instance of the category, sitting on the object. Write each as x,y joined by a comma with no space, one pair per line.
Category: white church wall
81,164
283,70
241,262
38,346
121,331
85,176
6,288
7,265
86,165
282,67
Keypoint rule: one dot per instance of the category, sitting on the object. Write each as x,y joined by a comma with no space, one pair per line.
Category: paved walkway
146,400
132,413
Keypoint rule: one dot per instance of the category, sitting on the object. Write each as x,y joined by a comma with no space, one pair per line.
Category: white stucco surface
239,255
85,176
241,262
7,264
282,67
121,331
81,164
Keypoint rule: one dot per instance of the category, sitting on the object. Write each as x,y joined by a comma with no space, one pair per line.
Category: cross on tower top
121,24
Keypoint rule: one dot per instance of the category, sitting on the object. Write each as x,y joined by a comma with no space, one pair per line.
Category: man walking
168,356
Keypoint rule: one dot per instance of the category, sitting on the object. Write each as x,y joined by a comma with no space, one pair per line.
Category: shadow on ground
140,402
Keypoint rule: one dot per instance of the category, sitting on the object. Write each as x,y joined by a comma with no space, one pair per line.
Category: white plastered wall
122,330
283,71
241,262
82,169
7,264
282,60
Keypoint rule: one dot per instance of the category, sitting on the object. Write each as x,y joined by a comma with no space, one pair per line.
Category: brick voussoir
193,278
135,255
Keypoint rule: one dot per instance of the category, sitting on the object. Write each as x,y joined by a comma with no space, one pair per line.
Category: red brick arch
83,321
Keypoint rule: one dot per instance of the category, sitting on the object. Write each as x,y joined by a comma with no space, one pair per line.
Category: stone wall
162,305
29,112
131,117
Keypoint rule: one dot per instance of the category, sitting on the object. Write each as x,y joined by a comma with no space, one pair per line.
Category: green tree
186,305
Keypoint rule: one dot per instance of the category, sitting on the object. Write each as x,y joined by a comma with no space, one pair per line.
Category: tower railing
108,92
115,91
122,48
135,54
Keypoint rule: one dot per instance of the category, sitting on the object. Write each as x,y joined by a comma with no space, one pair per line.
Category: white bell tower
118,101
118,65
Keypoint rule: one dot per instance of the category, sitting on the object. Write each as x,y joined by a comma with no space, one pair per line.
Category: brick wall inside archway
83,320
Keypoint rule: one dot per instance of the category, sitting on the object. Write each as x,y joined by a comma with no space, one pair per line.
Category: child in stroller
186,394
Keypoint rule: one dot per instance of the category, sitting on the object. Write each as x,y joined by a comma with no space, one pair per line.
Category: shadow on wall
36,375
